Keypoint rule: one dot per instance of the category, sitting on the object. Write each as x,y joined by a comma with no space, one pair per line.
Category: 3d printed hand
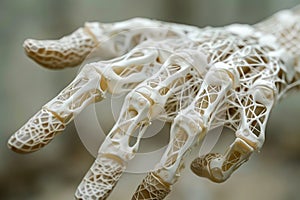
196,79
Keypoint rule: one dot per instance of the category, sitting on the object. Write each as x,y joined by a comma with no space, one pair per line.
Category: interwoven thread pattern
196,79
38,132
100,179
151,189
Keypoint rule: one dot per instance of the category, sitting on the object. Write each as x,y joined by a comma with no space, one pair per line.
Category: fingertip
200,166
18,147
27,44
32,47
36,133
101,178
37,51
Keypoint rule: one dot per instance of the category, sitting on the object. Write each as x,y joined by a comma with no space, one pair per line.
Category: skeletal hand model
196,79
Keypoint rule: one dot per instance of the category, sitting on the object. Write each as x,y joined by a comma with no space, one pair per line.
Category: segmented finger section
152,188
68,51
100,180
201,167
36,133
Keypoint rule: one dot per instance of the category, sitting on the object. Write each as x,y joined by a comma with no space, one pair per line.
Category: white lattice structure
196,79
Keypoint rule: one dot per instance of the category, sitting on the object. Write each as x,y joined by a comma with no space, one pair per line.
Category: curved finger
250,136
218,167
55,115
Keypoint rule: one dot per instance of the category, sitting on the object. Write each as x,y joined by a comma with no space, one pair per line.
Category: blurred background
55,171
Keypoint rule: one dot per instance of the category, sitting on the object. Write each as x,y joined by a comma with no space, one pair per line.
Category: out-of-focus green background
55,171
